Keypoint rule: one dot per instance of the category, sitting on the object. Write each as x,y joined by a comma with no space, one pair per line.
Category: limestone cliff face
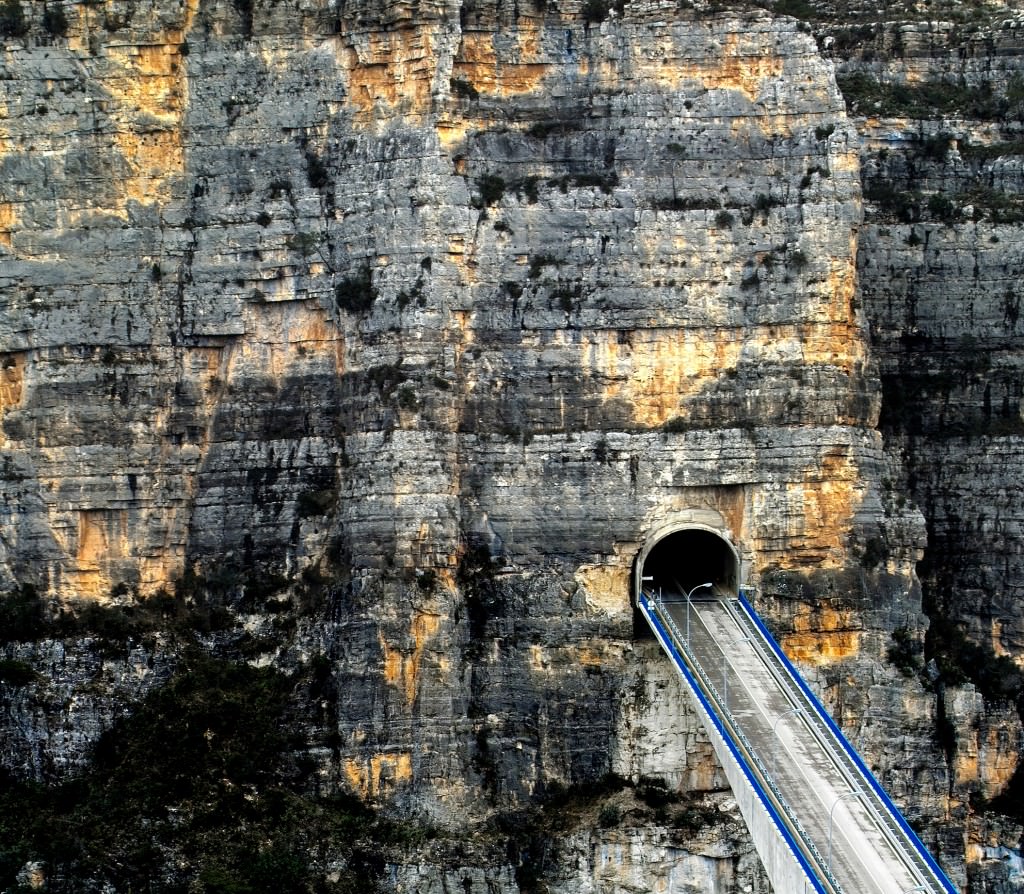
937,104
415,269
395,332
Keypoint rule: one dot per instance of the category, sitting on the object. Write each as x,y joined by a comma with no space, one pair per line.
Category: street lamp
855,793
775,741
688,595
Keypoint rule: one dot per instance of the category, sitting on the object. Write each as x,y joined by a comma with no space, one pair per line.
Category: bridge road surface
862,858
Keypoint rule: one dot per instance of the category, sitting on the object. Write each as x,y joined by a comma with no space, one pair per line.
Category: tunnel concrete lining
679,557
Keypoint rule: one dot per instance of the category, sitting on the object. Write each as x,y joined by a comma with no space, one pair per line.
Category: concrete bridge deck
819,819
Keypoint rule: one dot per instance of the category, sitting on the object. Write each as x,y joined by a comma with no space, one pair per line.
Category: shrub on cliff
22,618
921,100
491,187
316,502
463,89
904,652
596,10
12,19
317,172
356,293
55,21
958,661
798,9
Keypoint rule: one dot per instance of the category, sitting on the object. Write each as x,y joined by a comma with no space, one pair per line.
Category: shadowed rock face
398,331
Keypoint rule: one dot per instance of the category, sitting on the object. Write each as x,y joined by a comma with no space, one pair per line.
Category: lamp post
688,595
854,793
775,741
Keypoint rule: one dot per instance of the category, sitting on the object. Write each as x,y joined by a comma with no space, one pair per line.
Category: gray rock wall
939,263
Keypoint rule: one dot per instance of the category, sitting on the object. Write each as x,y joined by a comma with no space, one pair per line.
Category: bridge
819,819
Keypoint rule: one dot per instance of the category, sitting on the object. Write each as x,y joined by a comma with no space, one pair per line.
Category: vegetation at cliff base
195,792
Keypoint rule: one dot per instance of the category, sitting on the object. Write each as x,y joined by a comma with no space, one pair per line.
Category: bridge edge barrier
851,752
666,643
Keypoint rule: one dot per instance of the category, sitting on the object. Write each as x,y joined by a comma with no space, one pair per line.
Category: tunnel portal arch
681,557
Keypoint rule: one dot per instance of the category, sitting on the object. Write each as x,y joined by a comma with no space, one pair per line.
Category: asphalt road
862,857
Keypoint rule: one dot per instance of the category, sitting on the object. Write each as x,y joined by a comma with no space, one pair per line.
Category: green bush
244,8
923,100
22,616
609,816
606,181
492,188
724,220
356,292
694,817
406,397
677,425
988,151
798,9
875,553
904,652
316,171
303,243
904,205
960,660
936,147
316,502
12,19
655,793
539,262
596,10
528,186
16,673
55,21
689,203
463,88
750,281
941,207
541,130
187,786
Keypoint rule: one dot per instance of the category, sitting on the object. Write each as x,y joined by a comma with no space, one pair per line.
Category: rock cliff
367,345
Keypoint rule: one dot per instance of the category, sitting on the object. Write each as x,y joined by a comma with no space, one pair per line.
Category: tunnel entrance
686,558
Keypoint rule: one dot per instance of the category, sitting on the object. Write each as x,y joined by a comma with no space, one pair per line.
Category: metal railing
769,788
894,830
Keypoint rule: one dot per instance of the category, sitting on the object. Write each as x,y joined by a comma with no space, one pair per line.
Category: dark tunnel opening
688,558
